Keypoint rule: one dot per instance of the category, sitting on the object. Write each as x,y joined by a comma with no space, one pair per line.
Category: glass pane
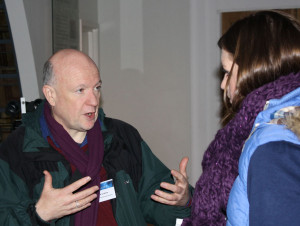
9,93
7,59
10,90
4,32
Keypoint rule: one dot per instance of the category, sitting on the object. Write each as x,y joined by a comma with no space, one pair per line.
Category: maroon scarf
88,165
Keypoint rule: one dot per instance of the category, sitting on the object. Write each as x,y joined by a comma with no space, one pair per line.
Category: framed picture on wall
228,18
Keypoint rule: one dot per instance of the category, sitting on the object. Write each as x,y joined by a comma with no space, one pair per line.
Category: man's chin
88,127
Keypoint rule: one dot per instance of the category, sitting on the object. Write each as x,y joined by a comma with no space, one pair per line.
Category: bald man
53,167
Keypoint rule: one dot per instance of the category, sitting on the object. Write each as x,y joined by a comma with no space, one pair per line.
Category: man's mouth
90,115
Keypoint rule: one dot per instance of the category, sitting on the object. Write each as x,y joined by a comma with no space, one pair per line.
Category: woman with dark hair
260,55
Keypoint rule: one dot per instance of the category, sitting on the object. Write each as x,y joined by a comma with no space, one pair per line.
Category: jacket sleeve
153,173
16,206
273,184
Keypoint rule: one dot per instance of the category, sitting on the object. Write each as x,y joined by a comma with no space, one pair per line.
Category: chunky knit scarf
220,161
88,165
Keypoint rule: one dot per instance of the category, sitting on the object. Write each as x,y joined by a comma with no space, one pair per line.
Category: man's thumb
48,180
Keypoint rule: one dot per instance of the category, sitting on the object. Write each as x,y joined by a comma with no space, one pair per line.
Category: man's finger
178,177
77,209
163,199
48,180
86,200
170,187
77,184
86,193
183,165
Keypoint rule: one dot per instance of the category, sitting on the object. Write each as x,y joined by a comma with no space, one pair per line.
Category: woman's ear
50,94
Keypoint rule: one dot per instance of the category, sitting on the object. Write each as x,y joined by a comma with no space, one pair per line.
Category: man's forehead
72,59
76,69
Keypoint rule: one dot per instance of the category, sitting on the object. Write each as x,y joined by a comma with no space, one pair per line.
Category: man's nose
93,98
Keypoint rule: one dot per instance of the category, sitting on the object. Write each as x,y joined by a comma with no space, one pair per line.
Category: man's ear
50,95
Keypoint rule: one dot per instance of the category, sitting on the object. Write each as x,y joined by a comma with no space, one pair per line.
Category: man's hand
56,203
180,190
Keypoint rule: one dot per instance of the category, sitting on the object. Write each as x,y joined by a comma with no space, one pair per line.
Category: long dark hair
265,46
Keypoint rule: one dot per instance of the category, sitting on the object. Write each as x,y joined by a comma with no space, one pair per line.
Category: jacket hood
293,122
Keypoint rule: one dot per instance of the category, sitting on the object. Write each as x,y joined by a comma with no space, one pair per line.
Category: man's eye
80,90
98,88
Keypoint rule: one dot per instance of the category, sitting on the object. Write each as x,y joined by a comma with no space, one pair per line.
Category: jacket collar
33,139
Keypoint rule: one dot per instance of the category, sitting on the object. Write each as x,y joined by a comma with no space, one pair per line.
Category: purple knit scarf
88,165
220,161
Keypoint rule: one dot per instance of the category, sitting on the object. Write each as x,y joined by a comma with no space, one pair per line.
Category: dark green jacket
127,159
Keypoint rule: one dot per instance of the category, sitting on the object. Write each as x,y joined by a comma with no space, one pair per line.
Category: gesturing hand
56,203
180,190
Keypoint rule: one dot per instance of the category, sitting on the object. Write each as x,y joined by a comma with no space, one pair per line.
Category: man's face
77,96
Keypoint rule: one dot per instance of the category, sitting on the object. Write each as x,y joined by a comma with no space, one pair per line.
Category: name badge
107,190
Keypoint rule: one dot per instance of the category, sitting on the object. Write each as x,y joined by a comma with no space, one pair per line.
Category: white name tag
107,190
178,222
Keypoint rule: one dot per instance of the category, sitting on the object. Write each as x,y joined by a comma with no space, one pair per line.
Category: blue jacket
262,133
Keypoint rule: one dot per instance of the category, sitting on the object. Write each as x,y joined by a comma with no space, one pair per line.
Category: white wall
39,19
23,48
145,68
89,28
88,10
204,82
